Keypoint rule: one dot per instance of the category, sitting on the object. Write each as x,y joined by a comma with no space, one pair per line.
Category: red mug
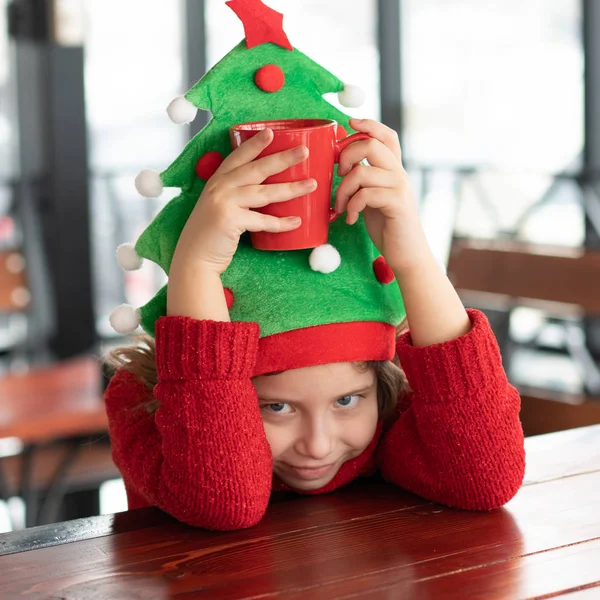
320,137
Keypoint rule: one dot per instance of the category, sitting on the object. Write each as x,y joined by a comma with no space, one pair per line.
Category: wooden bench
93,465
564,282
560,280
544,411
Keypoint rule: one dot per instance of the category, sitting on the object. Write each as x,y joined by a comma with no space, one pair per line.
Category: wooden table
53,402
60,402
368,540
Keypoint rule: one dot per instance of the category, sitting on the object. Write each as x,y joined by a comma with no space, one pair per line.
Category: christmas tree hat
335,303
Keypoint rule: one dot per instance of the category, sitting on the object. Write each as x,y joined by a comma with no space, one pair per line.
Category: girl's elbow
490,489
483,500
219,513
221,520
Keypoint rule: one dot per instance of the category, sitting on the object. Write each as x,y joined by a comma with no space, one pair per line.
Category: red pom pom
208,164
269,78
229,298
341,132
383,271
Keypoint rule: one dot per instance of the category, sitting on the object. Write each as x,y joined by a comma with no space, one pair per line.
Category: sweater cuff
456,367
187,348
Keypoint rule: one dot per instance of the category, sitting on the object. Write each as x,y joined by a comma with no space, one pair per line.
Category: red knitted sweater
204,458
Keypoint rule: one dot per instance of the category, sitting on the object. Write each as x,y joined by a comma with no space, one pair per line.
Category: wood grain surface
368,540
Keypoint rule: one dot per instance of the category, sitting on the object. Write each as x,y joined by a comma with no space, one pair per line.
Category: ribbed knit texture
207,350
204,458
460,441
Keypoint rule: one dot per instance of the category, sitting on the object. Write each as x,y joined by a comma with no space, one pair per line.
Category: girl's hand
222,214
382,193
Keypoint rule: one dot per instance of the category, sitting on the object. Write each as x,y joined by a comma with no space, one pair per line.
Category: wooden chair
14,290
57,412
60,480
561,280
15,300
564,282
53,411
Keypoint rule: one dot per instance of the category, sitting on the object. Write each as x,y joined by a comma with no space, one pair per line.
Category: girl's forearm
434,311
197,293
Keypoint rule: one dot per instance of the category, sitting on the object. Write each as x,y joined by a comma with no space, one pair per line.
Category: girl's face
316,418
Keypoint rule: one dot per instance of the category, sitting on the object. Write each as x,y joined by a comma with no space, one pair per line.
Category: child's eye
348,401
277,408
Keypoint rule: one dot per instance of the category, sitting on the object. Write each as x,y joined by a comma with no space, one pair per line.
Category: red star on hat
261,23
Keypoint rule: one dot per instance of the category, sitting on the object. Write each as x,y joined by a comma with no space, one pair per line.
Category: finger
258,222
255,172
379,131
246,152
377,153
257,196
362,177
368,197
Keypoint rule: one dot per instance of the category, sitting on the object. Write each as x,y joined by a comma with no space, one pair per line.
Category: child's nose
317,443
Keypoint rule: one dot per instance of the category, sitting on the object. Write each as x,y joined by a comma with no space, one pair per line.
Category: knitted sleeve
203,455
458,440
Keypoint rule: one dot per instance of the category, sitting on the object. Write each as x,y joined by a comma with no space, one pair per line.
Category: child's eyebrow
276,400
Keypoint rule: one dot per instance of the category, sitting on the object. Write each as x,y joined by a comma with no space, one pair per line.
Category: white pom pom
181,111
128,258
352,96
149,184
125,319
325,259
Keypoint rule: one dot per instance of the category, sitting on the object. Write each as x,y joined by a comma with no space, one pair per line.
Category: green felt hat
335,303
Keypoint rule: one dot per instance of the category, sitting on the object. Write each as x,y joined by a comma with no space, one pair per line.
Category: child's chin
306,485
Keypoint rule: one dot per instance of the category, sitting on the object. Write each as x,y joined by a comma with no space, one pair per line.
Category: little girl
210,418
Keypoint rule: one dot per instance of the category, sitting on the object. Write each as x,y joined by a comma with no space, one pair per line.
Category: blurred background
498,110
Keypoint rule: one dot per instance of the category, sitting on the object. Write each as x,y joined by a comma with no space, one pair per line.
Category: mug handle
340,146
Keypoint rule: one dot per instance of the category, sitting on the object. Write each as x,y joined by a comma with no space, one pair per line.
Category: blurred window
8,133
135,66
493,83
496,89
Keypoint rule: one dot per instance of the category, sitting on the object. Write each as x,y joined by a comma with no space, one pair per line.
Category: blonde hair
140,359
